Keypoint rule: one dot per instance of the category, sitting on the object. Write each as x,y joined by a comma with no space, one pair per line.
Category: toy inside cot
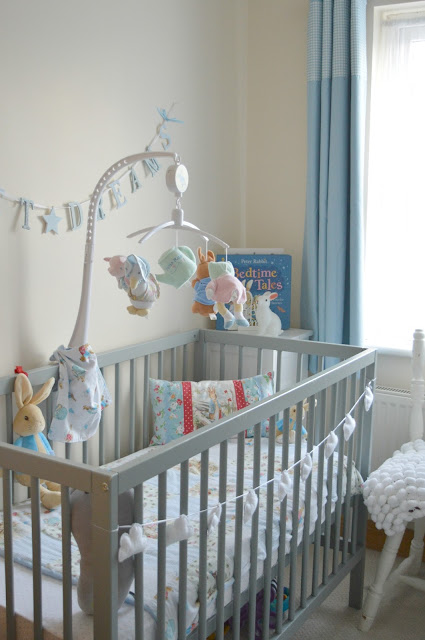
293,423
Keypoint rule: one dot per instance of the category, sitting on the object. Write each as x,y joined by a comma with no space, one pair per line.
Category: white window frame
372,6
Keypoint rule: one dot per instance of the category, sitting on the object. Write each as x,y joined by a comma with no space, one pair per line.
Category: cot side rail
136,471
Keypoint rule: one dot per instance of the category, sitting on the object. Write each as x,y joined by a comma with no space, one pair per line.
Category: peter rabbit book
261,271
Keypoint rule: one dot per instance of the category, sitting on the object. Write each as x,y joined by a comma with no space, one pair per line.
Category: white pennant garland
368,398
213,518
250,506
349,426
132,542
136,542
285,485
180,529
306,466
331,443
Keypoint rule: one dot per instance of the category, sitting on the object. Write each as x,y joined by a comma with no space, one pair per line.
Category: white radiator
391,412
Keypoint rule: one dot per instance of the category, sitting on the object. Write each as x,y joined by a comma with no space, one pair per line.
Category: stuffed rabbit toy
201,304
269,323
28,424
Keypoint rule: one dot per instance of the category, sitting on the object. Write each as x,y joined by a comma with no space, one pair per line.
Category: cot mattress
51,538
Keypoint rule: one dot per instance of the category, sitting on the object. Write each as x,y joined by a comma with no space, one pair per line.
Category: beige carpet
400,617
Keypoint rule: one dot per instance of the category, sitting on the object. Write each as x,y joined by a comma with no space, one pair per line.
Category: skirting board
375,540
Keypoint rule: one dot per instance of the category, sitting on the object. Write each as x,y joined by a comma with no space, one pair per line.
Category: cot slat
240,361
184,508
138,569
328,508
8,554
185,363
238,535
101,436
173,363
66,563
295,507
222,361
36,558
269,528
203,505
341,409
145,414
160,364
161,563
359,449
117,413
132,426
254,534
322,406
347,503
85,450
221,549
259,361
306,533
282,526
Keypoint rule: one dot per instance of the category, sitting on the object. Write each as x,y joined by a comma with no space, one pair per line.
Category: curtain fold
332,270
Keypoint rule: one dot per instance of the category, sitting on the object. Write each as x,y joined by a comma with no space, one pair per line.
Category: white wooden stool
409,568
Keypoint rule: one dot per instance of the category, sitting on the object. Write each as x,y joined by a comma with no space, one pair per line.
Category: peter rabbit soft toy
201,304
28,424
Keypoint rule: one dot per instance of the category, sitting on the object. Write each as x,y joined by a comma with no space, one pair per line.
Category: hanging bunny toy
201,303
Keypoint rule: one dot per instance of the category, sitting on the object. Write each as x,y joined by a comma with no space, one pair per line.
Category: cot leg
356,585
376,591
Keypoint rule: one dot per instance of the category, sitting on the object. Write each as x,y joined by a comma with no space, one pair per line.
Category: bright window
395,223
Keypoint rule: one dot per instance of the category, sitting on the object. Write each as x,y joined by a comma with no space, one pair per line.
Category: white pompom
214,518
349,426
250,506
331,443
368,398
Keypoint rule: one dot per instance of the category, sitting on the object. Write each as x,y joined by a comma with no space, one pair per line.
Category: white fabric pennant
132,542
368,398
250,506
349,426
331,444
285,485
306,466
180,529
214,518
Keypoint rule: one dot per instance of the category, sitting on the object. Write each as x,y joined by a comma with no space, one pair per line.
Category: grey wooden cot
313,564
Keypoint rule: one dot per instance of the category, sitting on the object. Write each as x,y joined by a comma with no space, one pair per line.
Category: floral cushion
182,407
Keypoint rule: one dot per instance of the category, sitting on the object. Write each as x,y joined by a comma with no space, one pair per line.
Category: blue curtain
331,287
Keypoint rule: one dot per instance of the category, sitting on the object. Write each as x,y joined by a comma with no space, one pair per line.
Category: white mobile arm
80,334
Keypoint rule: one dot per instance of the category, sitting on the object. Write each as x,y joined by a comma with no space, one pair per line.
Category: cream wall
276,130
80,85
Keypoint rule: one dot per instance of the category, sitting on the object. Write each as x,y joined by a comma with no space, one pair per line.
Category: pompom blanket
394,494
